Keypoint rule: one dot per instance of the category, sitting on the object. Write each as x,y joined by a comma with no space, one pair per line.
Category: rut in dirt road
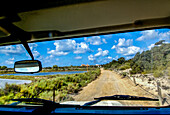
107,84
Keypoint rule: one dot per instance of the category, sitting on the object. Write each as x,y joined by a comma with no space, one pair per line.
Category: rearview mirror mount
27,66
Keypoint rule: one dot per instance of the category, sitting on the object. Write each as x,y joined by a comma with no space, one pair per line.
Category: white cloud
153,34
101,53
109,57
64,47
129,51
91,57
122,42
57,59
10,61
98,55
152,45
57,53
116,57
81,48
36,54
113,47
49,57
105,53
78,57
103,60
32,46
148,34
18,49
104,41
95,40
164,36
125,47
132,50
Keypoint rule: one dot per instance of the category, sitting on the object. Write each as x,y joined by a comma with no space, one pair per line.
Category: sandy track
107,84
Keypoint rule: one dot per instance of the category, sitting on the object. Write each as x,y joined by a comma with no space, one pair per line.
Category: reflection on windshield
131,65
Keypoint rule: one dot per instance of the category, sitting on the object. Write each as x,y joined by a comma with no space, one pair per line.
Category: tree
3,67
121,60
160,42
136,57
55,67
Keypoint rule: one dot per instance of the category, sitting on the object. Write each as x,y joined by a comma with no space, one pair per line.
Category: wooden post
134,80
54,94
159,93
143,79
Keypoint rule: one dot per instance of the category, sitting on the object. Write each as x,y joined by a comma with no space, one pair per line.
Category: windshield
78,70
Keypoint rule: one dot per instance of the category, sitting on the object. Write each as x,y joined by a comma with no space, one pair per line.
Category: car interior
28,22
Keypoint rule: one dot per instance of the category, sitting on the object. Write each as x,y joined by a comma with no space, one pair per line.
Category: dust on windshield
75,71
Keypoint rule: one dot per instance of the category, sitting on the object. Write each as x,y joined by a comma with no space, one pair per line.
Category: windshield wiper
38,100
119,97
125,97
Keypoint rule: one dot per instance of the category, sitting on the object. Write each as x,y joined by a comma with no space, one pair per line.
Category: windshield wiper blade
125,97
38,100
119,97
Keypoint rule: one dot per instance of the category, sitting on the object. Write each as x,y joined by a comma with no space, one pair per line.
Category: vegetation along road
110,83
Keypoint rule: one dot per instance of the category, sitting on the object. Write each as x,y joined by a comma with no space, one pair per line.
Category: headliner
69,18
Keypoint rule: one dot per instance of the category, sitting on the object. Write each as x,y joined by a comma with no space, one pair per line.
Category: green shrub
168,70
132,72
124,74
125,66
158,73
144,72
43,87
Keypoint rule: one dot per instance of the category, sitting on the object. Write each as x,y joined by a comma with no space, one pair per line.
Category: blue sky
86,50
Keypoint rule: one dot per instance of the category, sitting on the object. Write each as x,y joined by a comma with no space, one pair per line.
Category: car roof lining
66,19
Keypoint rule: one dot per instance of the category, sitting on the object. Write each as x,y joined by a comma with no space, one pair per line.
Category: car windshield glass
124,69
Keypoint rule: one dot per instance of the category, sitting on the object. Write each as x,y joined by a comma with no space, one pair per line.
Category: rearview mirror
27,66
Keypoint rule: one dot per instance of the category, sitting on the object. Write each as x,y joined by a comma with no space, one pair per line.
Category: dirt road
109,83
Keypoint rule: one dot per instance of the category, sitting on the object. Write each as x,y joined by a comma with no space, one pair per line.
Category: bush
144,72
124,74
168,70
132,72
158,73
43,87
124,67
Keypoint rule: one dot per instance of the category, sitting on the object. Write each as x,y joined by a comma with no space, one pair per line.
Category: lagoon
12,81
45,73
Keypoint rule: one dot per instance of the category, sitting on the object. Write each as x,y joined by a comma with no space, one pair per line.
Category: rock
149,79
165,87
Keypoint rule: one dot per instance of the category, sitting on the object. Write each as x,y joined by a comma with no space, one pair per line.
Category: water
15,81
12,81
45,73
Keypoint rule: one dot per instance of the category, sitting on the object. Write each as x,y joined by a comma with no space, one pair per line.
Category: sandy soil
109,83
